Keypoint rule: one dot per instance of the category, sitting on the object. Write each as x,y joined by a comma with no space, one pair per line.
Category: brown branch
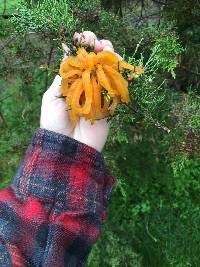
1,100
18,67
160,2
156,123
4,45
142,8
190,71
152,16
4,7
160,126
49,63
8,16
3,120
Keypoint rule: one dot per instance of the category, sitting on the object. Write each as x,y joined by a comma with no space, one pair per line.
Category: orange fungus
93,84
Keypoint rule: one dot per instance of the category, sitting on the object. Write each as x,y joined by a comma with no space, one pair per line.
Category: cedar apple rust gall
93,84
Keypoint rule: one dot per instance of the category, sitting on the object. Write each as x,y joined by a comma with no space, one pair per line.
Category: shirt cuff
58,168
67,146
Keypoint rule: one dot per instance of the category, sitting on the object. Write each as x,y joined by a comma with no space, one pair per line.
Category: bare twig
1,100
190,71
4,7
3,120
156,123
49,63
142,8
4,46
160,2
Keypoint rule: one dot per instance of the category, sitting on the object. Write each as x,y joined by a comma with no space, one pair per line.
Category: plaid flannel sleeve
52,213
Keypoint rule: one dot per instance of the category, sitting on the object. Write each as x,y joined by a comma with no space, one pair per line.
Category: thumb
54,90
66,50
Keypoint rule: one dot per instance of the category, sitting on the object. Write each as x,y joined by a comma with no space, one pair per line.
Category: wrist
62,142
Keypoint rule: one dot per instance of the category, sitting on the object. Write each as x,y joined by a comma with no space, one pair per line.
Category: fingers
84,38
66,51
119,57
65,48
88,38
107,44
108,48
100,45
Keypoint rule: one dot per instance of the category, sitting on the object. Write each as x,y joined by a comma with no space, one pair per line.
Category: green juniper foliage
44,16
153,148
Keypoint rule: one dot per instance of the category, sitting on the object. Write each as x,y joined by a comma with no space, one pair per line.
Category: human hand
54,115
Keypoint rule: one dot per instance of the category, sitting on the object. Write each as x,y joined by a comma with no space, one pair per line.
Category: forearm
56,204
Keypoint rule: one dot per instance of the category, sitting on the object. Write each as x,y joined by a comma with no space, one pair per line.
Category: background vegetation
154,146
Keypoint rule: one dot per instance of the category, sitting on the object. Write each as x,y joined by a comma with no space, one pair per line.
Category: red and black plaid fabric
52,213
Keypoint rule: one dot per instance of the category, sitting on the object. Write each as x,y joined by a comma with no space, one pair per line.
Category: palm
93,135
54,117
53,112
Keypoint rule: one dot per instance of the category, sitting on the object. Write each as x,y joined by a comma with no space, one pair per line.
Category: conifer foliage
153,147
